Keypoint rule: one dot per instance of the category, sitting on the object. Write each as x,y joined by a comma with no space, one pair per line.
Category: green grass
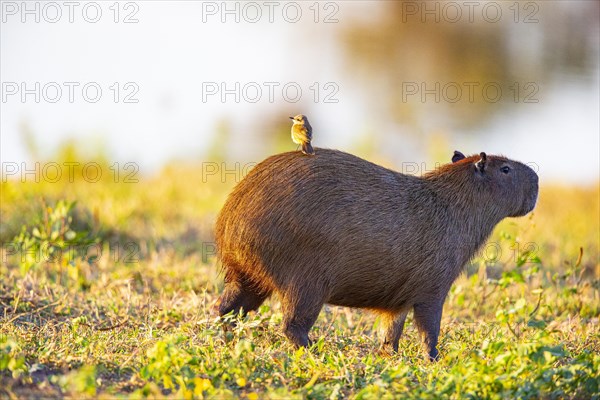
140,321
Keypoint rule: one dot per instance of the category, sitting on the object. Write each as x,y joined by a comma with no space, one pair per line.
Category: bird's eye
505,170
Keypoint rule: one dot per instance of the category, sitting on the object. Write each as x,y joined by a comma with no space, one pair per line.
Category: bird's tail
308,149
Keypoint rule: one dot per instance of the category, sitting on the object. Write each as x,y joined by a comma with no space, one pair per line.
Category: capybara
341,230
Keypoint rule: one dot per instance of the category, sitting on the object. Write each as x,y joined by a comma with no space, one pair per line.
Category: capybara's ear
481,163
457,156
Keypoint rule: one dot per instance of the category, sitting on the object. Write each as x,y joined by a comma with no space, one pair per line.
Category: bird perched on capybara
302,133
340,230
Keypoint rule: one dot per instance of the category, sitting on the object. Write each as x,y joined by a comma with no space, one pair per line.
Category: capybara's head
511,186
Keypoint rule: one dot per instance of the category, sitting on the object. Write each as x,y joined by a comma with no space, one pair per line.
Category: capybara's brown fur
340,230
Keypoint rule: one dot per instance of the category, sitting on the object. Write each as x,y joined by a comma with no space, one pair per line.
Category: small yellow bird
302,133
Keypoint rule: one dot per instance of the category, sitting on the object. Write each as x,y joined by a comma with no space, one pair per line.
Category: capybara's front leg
427,319
392,328
300,311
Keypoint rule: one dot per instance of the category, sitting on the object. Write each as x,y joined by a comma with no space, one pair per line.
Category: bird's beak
291,117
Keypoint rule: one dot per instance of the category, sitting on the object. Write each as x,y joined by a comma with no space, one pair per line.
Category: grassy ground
138,318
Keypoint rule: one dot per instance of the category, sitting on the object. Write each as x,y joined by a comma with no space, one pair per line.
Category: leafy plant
52,241
11,358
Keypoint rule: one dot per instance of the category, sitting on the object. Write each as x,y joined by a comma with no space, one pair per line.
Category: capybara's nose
533,177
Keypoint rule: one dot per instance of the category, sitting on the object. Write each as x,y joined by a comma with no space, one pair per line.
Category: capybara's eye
505,170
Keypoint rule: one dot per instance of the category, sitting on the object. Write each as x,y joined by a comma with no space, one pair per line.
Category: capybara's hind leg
238,296
300,311
392,328
427,319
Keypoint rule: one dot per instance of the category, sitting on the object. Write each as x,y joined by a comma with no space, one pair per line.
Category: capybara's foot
434,355
427,319
300,314
392,326
385,351
297,335
238,297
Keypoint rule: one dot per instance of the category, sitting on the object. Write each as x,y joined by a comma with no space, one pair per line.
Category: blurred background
395,81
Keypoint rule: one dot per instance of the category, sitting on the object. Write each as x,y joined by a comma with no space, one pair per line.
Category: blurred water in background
397,82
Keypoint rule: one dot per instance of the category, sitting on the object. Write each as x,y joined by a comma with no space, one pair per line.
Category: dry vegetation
138,320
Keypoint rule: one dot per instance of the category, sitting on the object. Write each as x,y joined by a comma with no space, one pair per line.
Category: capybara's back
337,229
